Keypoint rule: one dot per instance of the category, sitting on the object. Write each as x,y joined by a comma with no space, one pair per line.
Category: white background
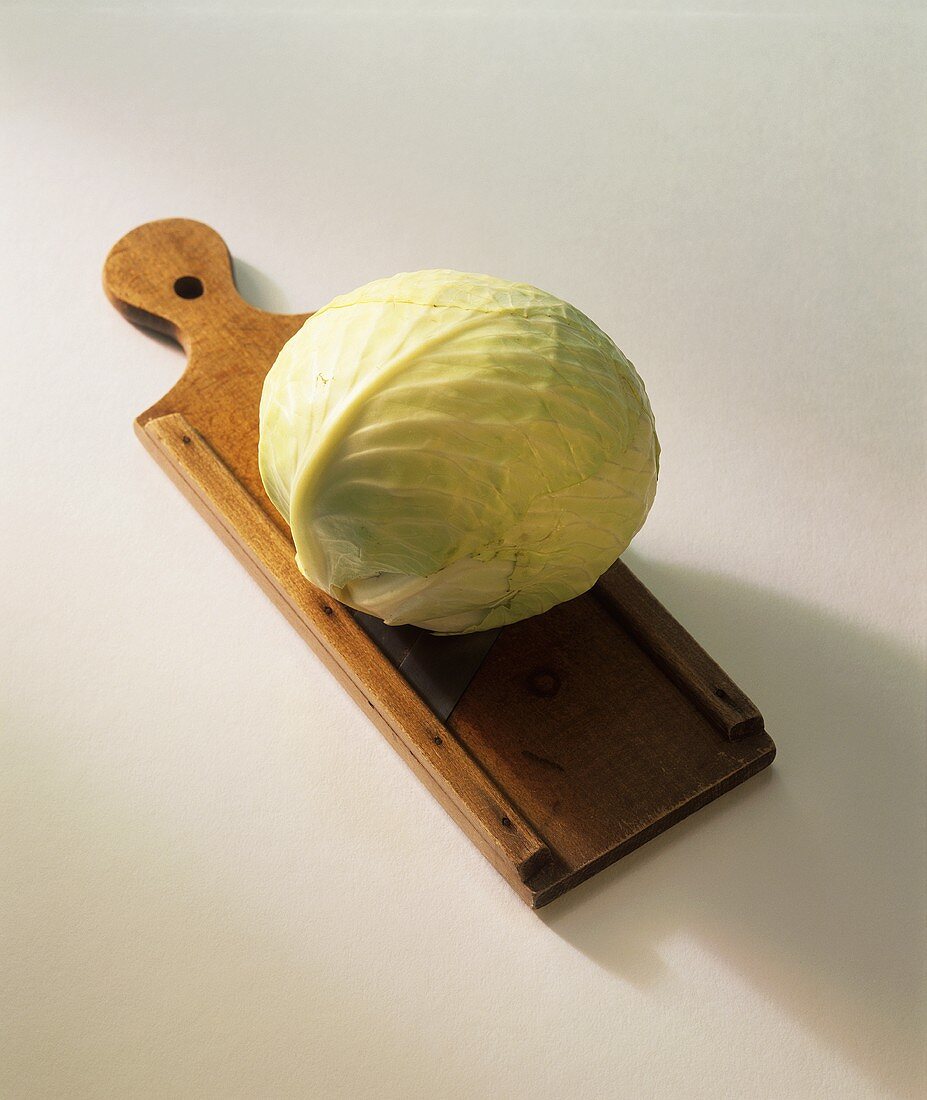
219,881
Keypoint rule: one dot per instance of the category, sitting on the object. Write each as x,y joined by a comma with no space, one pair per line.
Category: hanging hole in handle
188,286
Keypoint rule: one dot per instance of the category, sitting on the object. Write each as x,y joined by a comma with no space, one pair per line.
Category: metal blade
393,641
440,668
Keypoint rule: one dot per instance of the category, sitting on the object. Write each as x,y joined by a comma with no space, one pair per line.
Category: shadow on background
816,900
258,289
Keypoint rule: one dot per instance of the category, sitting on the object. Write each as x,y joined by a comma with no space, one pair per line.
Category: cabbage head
455,451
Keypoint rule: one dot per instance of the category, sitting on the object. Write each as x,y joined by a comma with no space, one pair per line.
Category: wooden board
586,731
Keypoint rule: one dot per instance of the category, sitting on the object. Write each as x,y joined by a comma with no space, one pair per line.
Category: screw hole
507,822
188,286
544,683
438,740
722,694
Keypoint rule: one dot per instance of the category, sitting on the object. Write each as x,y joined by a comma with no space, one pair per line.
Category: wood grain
678,654
586,731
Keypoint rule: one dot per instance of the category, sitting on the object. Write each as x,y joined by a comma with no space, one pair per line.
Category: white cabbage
455,451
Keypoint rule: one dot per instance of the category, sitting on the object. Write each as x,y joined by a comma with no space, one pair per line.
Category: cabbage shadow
805,879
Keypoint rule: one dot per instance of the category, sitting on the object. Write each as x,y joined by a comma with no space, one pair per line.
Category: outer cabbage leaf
455,451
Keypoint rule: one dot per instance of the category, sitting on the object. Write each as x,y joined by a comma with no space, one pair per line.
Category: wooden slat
678,653
490,819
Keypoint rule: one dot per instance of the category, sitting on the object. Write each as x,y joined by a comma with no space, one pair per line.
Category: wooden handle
173,276
678,653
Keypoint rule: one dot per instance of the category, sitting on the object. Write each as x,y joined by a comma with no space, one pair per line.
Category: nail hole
327,610
507,822
187,440
188,286
544,683
722,694
437,740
